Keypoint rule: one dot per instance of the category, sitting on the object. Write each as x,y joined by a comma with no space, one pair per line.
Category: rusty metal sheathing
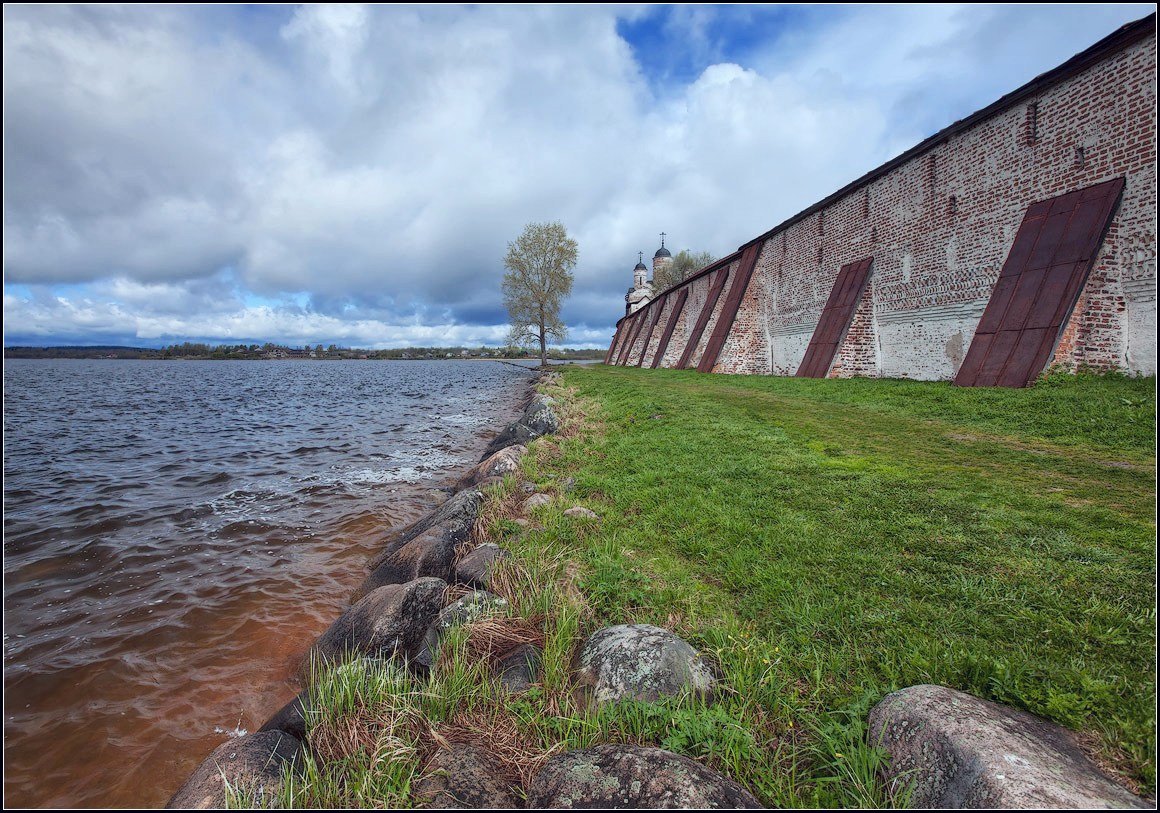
835,319
1049,262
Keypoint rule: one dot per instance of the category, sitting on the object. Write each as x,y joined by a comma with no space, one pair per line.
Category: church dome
662,252
640,267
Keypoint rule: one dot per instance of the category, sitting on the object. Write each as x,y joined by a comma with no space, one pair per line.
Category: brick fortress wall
939,226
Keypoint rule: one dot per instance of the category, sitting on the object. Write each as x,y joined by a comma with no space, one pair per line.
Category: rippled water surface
176,534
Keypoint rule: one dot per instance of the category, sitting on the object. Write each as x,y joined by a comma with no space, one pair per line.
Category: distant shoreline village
274,352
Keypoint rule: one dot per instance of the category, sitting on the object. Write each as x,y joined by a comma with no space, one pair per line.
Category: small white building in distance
641,292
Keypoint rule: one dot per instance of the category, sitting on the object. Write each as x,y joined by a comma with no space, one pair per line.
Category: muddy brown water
176,535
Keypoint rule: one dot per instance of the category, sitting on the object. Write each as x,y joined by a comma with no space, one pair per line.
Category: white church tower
641,292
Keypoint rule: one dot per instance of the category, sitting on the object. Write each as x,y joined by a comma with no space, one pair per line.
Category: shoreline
649,547
297,676
365,357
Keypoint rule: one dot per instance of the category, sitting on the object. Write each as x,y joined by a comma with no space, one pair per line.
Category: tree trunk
543,338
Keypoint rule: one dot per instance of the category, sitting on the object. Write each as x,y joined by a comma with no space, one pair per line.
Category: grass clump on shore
824,542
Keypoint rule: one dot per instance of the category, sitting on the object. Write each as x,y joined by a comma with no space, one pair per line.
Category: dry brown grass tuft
547,449
496,731
387,732
489,640
510,580
454,592
1114,762
575,414
502,504
569,585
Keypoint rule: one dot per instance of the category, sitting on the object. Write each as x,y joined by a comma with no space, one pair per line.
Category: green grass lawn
824,543
833,540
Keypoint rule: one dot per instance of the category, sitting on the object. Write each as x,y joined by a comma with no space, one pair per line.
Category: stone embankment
947,748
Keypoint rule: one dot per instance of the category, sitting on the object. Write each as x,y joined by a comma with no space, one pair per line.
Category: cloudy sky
353,174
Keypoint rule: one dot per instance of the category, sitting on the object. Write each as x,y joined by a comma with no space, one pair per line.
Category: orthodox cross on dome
662,239
640,256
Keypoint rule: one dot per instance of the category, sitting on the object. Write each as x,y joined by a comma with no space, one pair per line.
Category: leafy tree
685,264
539,275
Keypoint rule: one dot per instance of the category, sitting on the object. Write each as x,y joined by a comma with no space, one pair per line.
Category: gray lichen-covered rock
455,518
251,765
389,621
505,461
520,668
955,750
465,776
476,567
640,661
613,777
535,501
472,607
539,416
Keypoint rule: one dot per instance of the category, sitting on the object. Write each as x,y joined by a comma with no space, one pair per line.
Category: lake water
177,534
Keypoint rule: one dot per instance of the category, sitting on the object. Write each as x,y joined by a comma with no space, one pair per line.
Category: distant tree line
271,351
79,352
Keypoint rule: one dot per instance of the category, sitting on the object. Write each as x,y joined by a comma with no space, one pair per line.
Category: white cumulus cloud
357,171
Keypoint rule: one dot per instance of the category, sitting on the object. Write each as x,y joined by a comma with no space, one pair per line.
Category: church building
642,290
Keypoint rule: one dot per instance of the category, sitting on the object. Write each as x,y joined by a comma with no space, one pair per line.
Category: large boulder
505,461
475,568
472,607
612,777
955,750
515,434
291,718
538,419
466,776
389,621
431,553
642,662
455,518
539,416
252,766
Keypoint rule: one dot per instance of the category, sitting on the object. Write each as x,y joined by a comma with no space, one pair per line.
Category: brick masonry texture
939,227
